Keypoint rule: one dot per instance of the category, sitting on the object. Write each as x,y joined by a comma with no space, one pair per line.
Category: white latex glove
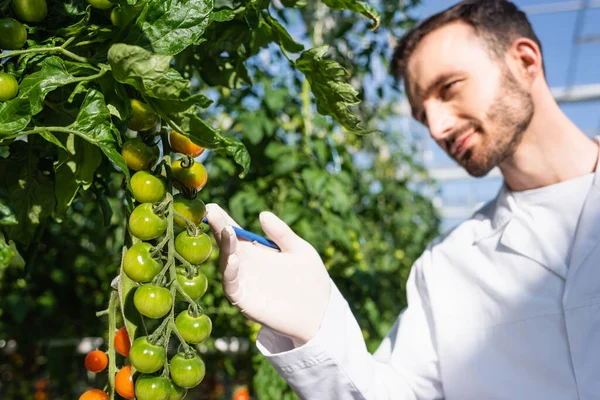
287,291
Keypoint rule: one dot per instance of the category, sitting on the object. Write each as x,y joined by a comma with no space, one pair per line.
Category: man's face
472,104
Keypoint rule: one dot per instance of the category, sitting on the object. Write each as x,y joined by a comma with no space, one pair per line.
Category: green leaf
76,28
94,124
222,15
74,169
361,7
6,253
7,215
31,191
294,3
333,96
169,26
269,30
53,139
16,114
152,76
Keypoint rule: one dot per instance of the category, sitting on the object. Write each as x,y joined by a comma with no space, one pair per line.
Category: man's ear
525,59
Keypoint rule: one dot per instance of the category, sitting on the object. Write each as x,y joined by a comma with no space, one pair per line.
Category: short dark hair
498,22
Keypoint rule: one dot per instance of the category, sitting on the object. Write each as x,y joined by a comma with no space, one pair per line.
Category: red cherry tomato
96,361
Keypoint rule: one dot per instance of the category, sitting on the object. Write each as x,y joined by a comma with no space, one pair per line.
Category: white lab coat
492,314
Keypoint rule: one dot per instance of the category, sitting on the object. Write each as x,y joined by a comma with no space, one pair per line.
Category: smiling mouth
460,145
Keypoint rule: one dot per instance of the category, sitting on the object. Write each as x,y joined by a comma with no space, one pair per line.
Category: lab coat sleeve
335,364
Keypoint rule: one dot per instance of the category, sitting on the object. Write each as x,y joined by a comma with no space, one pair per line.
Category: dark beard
509,116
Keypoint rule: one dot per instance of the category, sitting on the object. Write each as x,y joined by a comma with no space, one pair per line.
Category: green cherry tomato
122,15
195,249
187,372
152,301
138,155
145,356
143,116
30,10
139,265
194,285
148,387
147,188
193,329
100,4
145,224
13,34
8,86
177,393
194,210
194,176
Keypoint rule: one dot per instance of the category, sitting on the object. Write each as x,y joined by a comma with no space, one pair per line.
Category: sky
556,32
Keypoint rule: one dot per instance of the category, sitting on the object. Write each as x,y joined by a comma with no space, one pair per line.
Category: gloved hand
287,291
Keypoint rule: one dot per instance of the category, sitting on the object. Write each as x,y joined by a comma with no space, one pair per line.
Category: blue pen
253,237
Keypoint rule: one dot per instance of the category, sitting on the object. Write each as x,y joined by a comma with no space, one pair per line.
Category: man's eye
447,87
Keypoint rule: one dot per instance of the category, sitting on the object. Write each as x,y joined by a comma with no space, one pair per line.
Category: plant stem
112,329
57,49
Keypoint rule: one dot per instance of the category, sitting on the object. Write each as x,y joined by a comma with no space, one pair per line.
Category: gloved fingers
217,220
279,232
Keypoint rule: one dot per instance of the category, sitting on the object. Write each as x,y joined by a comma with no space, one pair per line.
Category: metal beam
551,8
577,93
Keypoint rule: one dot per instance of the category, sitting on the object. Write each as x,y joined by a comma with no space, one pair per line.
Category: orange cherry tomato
183,144
122,342
94,394
96,361
241,394
124,383
194,176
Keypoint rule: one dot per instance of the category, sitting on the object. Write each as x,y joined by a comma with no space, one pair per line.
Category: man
506,305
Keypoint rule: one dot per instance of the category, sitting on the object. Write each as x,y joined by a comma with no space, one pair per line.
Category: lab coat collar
502,214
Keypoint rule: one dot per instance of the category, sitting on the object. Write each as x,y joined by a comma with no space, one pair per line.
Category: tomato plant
152,301
138,155
194,284
30,10
187,370
147,188
122,15
138,263
143,116
96,361
100,4
13,34
193,176
147,357
124,383
145,224
194,329
183,144
194,249
94,394
148,387
121,342
8,86
192,209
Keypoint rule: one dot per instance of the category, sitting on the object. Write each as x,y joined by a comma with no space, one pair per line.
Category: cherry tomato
13,34
138,155
194,176
124,383
138,263
143,116
94,394
147,188
145,224
194,209
193,329
195,285
96,361
194,249
122,342
122,15
152,301
177,393
8,87
147,357
100,4
148,387
30,10
241,394
187,371
183,144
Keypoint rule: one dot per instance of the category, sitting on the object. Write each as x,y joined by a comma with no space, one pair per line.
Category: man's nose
441,122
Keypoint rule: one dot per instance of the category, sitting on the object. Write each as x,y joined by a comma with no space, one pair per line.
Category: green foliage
282,134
